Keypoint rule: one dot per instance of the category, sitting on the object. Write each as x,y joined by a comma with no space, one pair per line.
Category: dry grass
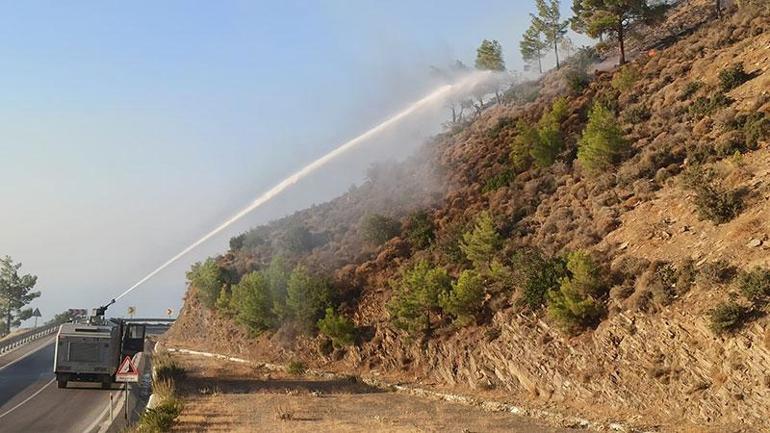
253,400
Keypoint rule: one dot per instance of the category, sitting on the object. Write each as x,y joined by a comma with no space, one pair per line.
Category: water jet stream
465,85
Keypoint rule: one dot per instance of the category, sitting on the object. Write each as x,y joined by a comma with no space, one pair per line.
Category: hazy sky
129,129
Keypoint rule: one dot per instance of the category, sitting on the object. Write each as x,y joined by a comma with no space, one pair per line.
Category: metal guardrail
11,343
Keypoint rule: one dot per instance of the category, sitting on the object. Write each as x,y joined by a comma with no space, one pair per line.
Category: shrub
727,317
755,285
160,418
378,229
705,105
526,137
690,89
636,114
338,328
207,279
716,272
625,78
465,298
602,144
298,239
296,368
575,304
253,302
498,181
732,77
307,297
420,230
416,296
502,124
755,127
549,142
166,368
236,242
482,243
713,201
537,275
277,275
577,79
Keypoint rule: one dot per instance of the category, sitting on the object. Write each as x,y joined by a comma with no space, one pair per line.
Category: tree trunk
8,320
556,52
621,42
539,61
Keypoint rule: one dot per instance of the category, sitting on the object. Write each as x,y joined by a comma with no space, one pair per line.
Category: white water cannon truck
92,351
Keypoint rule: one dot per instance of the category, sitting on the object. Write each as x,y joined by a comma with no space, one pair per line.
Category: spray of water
464,86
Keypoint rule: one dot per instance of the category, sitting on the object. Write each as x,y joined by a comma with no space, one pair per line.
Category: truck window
84,352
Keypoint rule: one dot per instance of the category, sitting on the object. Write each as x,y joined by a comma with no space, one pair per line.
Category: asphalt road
30,401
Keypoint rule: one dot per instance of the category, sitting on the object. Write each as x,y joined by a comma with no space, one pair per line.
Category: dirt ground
221,396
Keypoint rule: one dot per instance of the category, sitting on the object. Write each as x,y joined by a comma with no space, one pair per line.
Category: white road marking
26,355
28,398
106,425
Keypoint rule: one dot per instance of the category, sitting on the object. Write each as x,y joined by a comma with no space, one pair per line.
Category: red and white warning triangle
127,372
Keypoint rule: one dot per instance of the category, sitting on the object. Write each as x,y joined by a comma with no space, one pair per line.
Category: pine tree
253,303
548,22
482,243
602,143
465,299
576,304
613,17
489,56
532,46
549,142
416,296
15,293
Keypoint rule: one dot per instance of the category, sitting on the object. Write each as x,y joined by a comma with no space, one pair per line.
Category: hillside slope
698,131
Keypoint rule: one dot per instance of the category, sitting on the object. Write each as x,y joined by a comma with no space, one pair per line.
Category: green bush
690,89
420,231
465,298
341,330
727,317
712,200
755,128
298,239
253,302
549,142
307,297
526,137
167,368
296,368
207,279
416,296
160,418
602,144
577,79
502,124
498,181
732,77
705,105
575,305
277,275
482,243
378,229
537,276
625,78
755,285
